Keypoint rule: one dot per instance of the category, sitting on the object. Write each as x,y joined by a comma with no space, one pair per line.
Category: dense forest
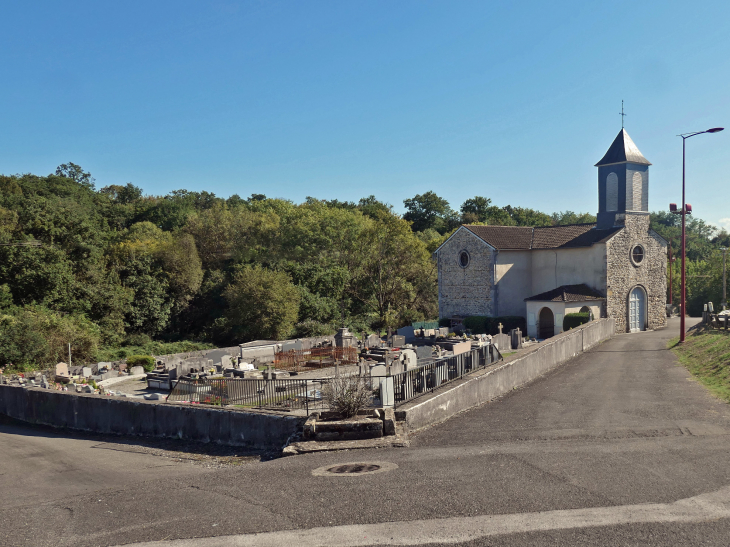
111,268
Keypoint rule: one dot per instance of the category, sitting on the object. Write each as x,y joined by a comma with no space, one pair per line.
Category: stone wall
465,291
118,416
487,384
623,275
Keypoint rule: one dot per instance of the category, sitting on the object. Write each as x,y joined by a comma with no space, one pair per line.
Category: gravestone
424,352
516,338
373,341
216,355
86,372
62,370
410,359
226,361
295,345
408,333
398,341
344,339
502,341
378,370
387,393
136,370
101,367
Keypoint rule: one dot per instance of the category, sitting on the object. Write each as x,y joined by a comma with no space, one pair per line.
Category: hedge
572,320
478,324
145,361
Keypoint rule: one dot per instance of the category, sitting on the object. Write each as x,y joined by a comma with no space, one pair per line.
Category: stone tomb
61,372
373,341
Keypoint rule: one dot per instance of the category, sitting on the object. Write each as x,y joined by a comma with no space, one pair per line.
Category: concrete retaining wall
117,416
485,385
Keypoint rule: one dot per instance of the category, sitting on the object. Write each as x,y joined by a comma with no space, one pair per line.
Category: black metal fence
306,394
282,394
416,382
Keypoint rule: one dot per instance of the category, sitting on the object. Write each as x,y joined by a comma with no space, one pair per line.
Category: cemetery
276,393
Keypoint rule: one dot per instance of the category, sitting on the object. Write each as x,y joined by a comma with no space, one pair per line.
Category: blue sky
515,101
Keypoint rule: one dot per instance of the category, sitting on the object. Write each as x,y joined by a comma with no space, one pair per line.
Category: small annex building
615,267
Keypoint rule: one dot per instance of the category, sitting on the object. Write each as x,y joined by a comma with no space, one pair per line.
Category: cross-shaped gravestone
500,328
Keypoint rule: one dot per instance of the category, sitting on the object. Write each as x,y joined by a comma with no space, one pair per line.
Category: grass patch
706,354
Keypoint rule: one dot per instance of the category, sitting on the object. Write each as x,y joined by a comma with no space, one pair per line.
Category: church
615,267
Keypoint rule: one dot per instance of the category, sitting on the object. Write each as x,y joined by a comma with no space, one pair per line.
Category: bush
479,324
311,328
145,361
346,395
573,320
445,322
35,337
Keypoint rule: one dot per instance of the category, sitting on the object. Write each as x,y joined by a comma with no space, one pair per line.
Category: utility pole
724,279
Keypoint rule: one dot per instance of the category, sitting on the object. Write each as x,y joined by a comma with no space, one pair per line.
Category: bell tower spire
623,181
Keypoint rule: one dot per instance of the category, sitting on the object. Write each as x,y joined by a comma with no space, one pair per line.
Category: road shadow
179,449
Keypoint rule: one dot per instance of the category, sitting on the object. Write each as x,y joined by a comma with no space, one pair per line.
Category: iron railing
281,394
315,358
306,394
416,382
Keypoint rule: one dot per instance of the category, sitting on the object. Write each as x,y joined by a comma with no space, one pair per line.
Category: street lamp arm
683,293
713,130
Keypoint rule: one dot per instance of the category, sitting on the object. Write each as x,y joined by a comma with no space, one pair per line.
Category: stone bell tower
623,182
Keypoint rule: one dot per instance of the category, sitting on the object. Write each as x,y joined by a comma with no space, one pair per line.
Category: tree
569,217
389,285
124,195
430,211
475,209
262,304
75,173
373,208
524,216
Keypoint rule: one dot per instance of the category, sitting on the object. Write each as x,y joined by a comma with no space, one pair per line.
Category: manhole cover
353,469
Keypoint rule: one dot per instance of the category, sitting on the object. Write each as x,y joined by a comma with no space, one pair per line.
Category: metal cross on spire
622,114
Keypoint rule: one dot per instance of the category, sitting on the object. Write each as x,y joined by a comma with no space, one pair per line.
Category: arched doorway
547,323
637,310
586,309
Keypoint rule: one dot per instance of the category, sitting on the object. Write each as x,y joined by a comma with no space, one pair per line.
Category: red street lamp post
686,210
672,259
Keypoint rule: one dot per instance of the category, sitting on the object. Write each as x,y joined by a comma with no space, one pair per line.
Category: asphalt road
617,447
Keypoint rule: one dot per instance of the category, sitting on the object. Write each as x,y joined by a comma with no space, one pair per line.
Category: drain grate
351,469
354,468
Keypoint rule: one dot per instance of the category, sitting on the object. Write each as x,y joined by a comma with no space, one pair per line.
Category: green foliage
430,211
478,324
36,337
475,210
569,217
140,274
706,354
262,304
149,348
310,328
145,361
572,320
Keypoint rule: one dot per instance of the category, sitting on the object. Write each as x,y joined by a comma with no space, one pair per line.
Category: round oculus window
463,259
637,254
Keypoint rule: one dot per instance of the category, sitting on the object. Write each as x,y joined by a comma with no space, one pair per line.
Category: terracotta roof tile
568,293
504,237
548,237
